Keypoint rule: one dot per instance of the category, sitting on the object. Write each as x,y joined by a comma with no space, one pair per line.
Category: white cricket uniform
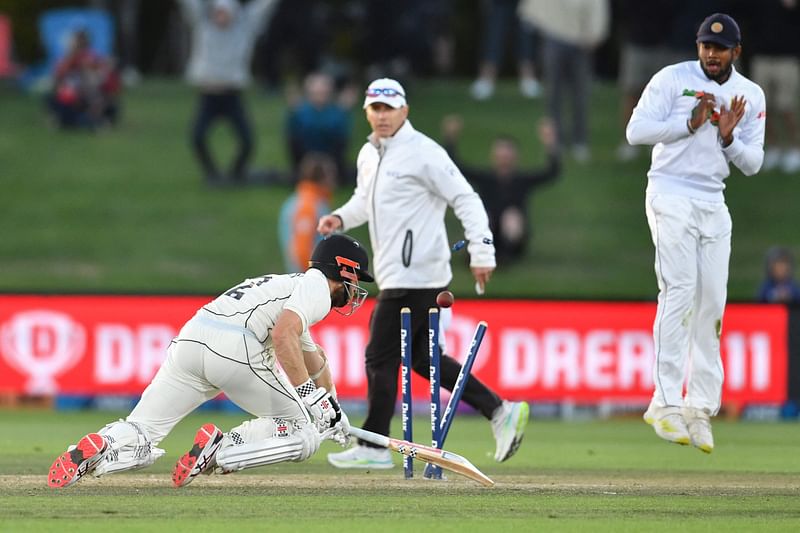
404,185
227,347
690,224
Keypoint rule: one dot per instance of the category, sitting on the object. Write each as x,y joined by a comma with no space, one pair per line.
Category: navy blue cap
721,29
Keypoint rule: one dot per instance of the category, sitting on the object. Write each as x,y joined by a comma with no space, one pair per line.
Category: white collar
401,135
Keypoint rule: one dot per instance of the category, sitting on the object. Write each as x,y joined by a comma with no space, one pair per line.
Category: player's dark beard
339,298
723,74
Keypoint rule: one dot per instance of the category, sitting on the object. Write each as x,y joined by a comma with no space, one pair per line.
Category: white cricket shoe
581,153
791,161
772,158
530,88
481,89
699,424
626,152
79,460
201,458
508,426
668,423
365,457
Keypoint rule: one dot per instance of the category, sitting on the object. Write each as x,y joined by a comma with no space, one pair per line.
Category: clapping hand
729,118
702,111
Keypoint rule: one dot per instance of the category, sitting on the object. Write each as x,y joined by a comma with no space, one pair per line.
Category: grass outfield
126,210
582,476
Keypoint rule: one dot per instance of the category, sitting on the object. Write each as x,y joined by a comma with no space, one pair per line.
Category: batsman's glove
340,433
321,404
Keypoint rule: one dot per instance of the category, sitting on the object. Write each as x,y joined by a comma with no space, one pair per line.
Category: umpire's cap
721,29
386,91
341,258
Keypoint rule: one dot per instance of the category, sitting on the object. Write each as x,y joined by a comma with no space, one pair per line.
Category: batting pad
265,441
265,452
130,448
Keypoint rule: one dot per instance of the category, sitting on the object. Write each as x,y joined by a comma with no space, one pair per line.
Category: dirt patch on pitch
607,483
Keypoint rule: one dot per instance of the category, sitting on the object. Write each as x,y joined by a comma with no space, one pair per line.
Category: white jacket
221,57
696,165
403,188
584,23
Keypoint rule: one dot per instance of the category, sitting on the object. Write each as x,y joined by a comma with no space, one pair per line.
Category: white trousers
207,358
692,241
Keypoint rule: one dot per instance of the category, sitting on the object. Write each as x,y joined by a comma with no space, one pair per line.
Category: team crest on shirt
281,428
713,115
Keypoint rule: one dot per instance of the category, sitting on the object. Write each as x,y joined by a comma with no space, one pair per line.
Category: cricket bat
447,460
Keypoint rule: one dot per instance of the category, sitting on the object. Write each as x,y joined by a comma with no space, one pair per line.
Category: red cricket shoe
77,461
200,458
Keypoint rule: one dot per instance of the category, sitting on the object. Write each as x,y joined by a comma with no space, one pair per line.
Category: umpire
404,185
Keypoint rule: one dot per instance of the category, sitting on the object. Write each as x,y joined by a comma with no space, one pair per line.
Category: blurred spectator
502,14
319,123
440,17
7,67
682,35
126,17
775,66
297,222
401,39
571,30
296,37
86,87
644,51
779,285
505,188
223,36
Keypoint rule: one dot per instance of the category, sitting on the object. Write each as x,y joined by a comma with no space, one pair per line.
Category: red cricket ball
444,299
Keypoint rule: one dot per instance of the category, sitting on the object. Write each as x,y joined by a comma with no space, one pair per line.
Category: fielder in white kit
700,116
234,345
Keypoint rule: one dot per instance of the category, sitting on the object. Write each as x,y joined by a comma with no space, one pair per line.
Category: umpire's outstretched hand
328,224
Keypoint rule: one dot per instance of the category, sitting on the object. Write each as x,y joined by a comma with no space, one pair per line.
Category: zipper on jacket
381,149
408,246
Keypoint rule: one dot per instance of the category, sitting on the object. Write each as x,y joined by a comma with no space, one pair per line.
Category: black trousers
383,358
211,107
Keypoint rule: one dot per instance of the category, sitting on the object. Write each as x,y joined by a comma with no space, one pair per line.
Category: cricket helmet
341,258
